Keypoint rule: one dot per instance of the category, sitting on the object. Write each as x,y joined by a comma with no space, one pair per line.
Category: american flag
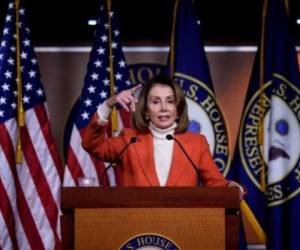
29,191
95,91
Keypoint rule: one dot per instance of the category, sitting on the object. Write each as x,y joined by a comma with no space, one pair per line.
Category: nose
163,105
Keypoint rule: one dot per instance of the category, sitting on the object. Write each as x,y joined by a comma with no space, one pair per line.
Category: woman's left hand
242,190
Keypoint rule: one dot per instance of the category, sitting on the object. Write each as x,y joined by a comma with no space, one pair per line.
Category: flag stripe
7,222
9,187
43,190
26,218
88,165
50,173
80,161
68,178
5,205
33,201
4,236
74,166
40,112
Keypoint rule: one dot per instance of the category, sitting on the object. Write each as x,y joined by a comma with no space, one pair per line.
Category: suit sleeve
210,174
94,141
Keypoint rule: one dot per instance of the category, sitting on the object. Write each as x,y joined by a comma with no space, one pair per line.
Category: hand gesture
125,98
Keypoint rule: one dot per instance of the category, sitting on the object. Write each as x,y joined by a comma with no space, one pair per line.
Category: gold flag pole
114,116
172,47
287,6
253,221
246,211
21,119
261,95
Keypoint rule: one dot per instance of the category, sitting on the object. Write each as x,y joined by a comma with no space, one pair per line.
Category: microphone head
169,137
133,139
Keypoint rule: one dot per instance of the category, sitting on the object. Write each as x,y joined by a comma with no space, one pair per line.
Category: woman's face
161,106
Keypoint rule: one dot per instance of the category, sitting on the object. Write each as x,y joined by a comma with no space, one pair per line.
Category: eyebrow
155,96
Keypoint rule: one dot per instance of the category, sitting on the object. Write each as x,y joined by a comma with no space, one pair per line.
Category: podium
112,218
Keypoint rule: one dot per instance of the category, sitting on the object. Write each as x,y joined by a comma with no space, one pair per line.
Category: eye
154,101
171,100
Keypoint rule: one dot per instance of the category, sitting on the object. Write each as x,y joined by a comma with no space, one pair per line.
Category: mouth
163,117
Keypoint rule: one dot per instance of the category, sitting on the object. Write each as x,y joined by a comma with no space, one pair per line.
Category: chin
164,126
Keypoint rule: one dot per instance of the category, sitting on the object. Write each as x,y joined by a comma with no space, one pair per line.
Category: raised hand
125,98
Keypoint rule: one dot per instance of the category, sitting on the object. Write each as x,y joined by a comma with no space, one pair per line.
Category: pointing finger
135,88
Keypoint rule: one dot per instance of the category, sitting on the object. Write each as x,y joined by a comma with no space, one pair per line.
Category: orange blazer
137,161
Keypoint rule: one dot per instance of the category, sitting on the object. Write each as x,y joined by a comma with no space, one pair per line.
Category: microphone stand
132,140
171,137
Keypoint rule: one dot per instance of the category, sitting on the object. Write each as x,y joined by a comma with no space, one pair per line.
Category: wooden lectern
193,218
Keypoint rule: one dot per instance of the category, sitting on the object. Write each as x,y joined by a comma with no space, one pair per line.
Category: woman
153,160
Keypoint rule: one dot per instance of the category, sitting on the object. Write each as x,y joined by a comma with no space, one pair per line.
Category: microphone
131,141
171,137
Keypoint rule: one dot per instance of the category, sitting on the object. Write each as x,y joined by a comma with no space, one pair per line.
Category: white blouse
163,151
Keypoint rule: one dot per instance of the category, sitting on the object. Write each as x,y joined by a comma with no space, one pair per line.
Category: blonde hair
139,120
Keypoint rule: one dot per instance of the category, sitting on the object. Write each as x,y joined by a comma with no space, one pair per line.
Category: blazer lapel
144,148
179,161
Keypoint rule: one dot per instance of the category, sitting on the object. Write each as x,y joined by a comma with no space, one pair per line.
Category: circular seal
149,242
279,156
206,117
